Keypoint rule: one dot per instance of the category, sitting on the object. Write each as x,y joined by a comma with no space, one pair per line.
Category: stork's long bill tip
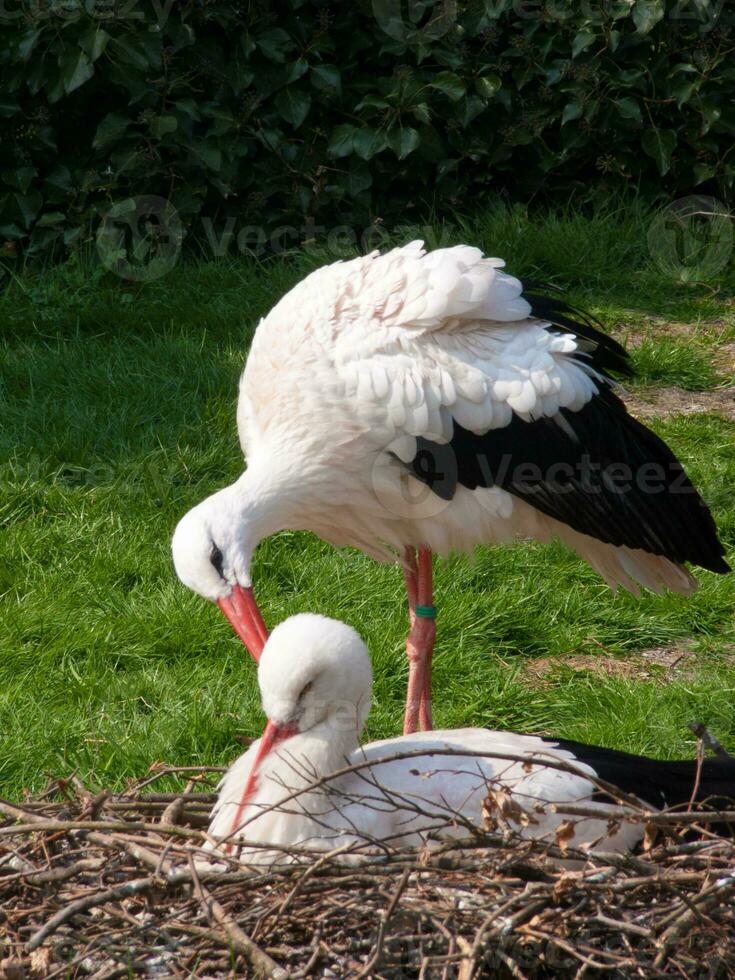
243,614
272,736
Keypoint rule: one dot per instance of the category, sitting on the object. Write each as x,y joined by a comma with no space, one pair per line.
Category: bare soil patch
658,328
671,400
659,663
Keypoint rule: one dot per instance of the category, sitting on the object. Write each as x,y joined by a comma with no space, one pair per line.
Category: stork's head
212,549
312,669
314,672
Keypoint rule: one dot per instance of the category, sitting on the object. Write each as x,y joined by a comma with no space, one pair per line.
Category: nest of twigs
107,885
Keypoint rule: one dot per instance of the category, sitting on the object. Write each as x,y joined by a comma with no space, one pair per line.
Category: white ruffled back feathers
362,357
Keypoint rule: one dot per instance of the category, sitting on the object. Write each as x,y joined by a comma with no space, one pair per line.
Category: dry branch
105,885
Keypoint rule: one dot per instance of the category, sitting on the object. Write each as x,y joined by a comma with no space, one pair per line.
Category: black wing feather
598,470
661,783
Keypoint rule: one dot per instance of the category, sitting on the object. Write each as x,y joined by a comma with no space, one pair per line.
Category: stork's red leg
420,645
411,576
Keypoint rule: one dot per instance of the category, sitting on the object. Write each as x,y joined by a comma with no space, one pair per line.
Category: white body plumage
315,682
360,364
403,802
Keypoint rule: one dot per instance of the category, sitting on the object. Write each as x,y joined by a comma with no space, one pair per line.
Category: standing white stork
417,402
307,783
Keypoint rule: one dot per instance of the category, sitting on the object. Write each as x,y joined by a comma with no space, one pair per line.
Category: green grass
117,404
665,361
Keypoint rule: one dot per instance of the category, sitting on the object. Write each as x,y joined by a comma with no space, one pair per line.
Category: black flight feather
597,470
661,783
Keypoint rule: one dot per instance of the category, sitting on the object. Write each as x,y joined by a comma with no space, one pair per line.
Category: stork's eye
217,560
305,690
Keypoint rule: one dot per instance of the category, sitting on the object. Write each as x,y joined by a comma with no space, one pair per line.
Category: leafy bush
309,114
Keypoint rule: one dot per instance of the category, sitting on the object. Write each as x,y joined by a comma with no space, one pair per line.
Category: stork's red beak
272,737
242,611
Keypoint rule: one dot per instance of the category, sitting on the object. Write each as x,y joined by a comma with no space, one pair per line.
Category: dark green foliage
305,115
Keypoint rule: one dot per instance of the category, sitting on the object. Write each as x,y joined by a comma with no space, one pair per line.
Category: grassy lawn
117,404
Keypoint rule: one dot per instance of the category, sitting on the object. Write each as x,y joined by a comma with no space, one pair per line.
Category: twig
385,919
466,904
127,890
714,895
710,741
172,813
39,823
260,961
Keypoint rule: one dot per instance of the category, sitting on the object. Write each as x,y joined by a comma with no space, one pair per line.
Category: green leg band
426,612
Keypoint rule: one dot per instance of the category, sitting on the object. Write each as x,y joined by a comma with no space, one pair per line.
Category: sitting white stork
413,402
307,783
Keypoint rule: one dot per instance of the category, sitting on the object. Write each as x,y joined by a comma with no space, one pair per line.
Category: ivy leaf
359,178
371,102
94,42
60,179
162,125
41,238
473,106
487,86
50,218
631,75
28,43
573,110
646,14
190,107
368,142
582,40
446,167
19,179
54,87
403,141
9,229
29,205
128,53
327,78
221,119
296,70
710,115
274,44
110,130
421,112
684,89
659,144
702,172
211,156
76,69
450,84
629,108
342,140
293,105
